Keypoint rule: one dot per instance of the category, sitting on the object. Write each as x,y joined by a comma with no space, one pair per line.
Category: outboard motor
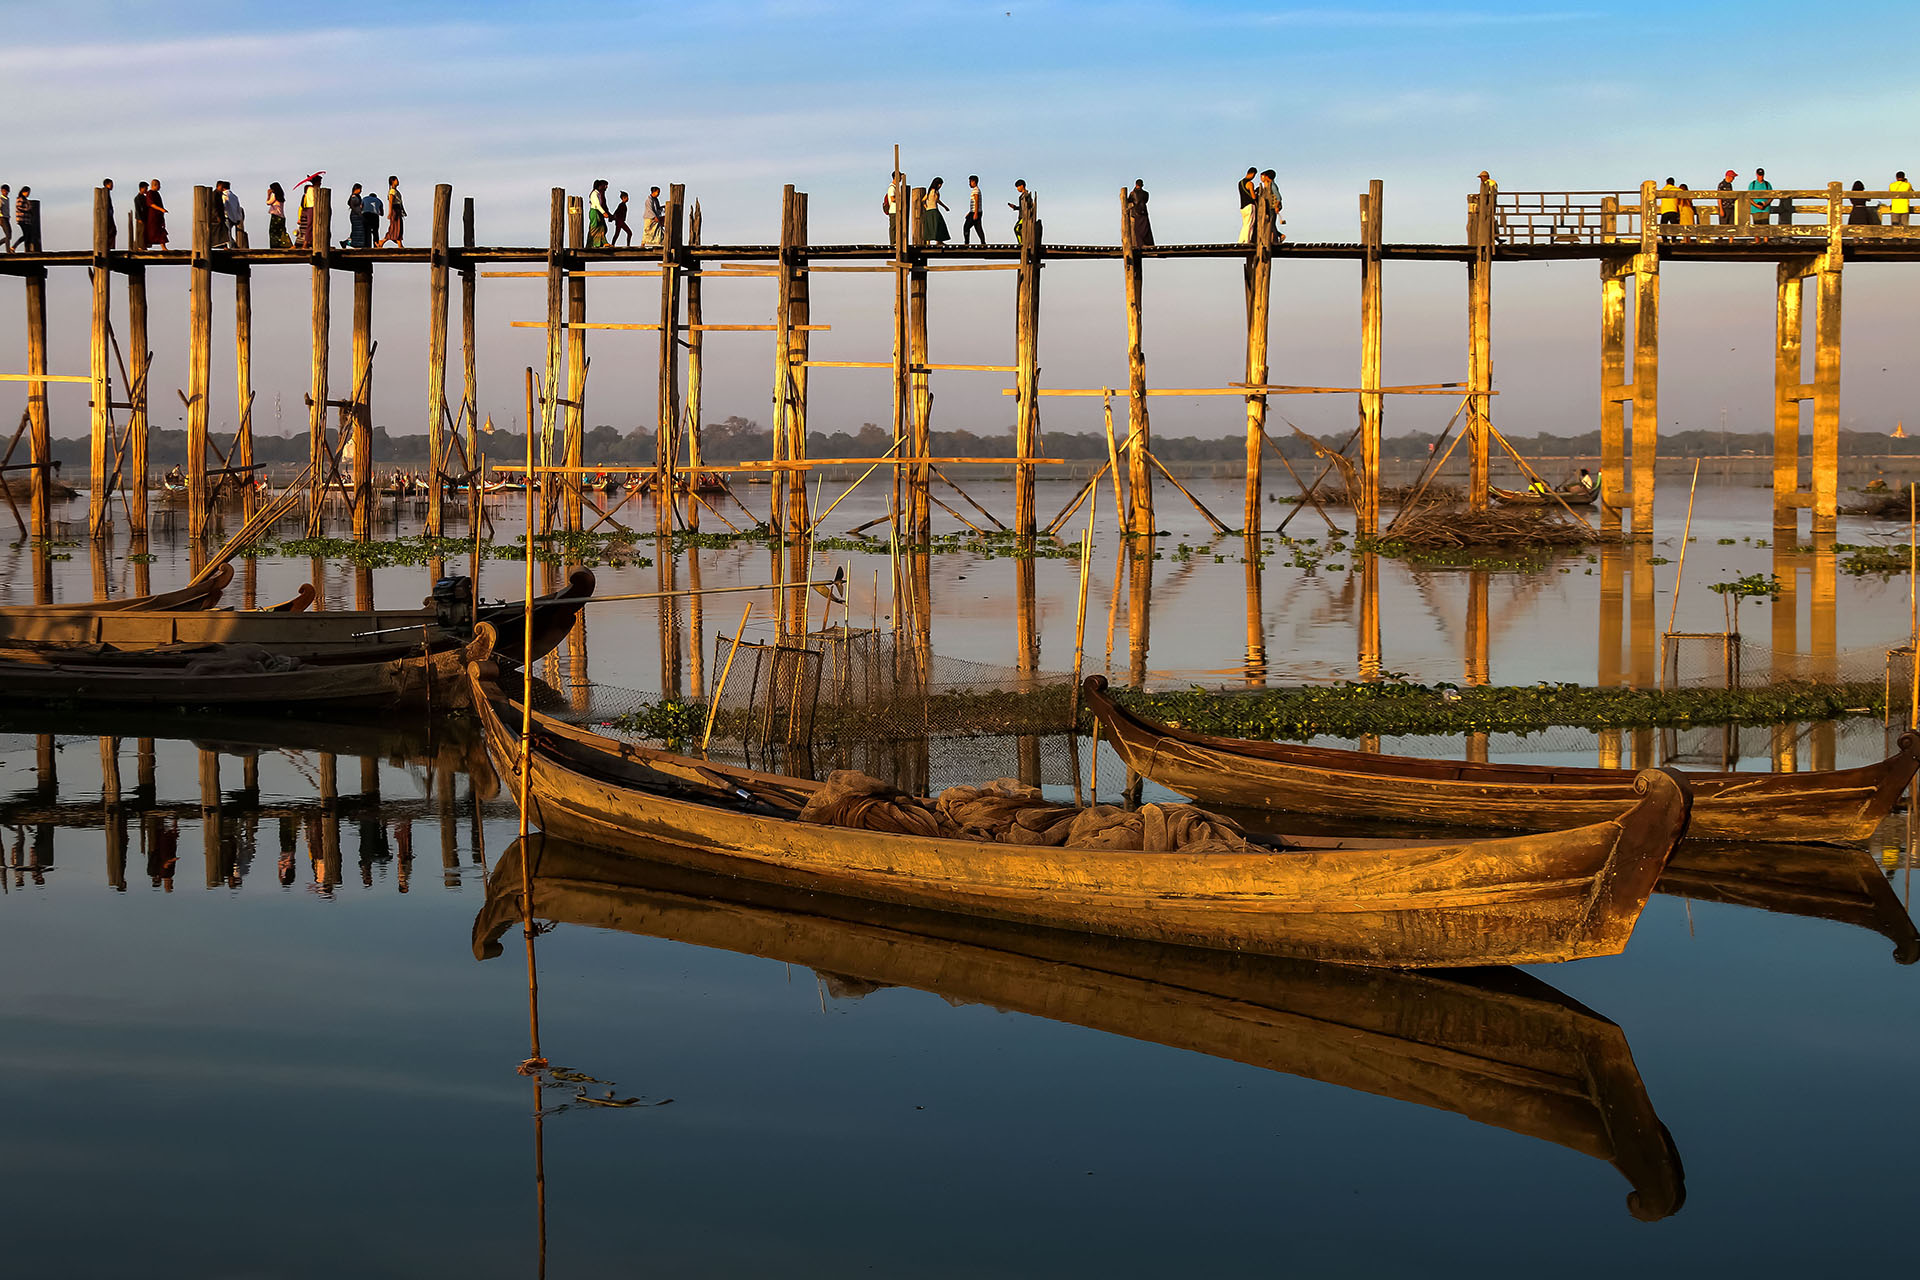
453,603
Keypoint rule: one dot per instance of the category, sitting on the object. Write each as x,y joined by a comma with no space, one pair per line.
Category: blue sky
734,99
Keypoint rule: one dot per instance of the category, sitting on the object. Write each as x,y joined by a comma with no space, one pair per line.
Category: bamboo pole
321,220
1679,573
1140,520
101,425
1259,284
713,707
437,360
199,359
142,360
360,420
1113,464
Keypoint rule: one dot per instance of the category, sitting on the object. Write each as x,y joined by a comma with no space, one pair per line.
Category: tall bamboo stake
1679,572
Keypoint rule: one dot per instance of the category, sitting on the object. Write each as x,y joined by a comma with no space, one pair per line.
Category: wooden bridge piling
1616,279
1790,391
1140,519
199,360
799,309
437,360
556,328
359,414
1480,236
1366,504
1026,434
1646,363
672,260
1259,283
782,399
139,365
1826,373
469,354
101,423
919,378
696,360
572,483
320,251
241,460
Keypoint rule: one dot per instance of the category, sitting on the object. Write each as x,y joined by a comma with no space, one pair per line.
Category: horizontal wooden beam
803,464
44,377
1121,392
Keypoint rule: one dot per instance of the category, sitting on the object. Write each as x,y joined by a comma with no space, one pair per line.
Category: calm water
277,1054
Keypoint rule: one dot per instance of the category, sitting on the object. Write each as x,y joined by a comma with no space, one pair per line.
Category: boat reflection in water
1494,1045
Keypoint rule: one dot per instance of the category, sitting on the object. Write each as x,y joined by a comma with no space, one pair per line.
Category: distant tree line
738,439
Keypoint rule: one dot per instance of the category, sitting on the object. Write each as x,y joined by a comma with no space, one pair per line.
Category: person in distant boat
1247,198
1864,213
356,220
1761,206
1586,480
620,226
1019,198
972,222
1539,486
1900,206
934,225
156,217
654,229
277,237
1137,212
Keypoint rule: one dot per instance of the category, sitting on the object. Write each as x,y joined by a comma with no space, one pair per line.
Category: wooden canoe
1516,900
1496,1046
293,628
201,593
1578,496
433,679
1356,786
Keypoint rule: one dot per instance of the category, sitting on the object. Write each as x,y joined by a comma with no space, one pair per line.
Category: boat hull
1518,900
1835,806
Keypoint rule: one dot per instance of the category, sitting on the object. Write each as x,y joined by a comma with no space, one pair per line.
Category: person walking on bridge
597,215
1760,205
1137,213
1899,207
6,215
1247,198
277,217
396,216
1726,202
356,220
654,230
620,223
1864,213
156,217
1670,204
26,215
972,222
934,227
1019,198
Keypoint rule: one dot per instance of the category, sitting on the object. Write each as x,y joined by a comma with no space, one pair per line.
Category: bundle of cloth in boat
241,660
1008,812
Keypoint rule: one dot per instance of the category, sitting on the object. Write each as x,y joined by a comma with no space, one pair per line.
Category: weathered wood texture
437,360
1366,503
199,359
1480,235
100,426
1259,283
1026,427
570,483
1140,519
360,412
321,255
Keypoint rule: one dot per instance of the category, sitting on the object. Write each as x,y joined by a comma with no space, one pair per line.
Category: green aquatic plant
1754,586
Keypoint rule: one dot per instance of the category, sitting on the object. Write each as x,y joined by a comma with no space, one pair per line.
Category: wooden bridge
1621,231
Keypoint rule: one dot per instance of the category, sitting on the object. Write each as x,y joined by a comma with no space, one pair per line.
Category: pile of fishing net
240,660
1460,528
1009,812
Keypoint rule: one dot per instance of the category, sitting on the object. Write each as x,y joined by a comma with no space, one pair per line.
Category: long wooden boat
1518,900
1833,806
1577,496
430,677
1496,1046
295,629
201,593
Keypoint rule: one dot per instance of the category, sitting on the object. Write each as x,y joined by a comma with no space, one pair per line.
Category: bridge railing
1685,214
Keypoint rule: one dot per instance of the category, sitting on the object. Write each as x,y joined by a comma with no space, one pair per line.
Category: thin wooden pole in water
534,1060
1679,572
713,707
1913,603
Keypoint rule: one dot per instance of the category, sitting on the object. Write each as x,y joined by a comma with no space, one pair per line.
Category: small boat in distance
1578,495
1517,900
1836,806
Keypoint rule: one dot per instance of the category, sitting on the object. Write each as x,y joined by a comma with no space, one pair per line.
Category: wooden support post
39,431
799,309
243,389
671,262
783,480
100,443
199,359
1140,520
1259,282
902,360
1826,374
1366,503
572,484
321,253
469,370
556,327
360,416
1789,392
919,381
1646,362
696,354
437,358
1480,235
138,364
1616,274
1026,429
